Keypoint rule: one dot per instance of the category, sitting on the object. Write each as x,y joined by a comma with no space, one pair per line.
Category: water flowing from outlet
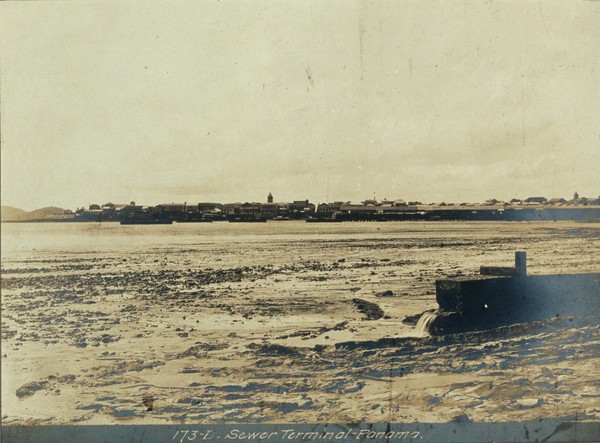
424,322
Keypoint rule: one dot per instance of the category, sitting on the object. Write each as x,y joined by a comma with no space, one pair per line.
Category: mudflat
282,322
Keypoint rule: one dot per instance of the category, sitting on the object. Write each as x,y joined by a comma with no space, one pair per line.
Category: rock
371,310
29,389
200,350
148,401
387,293
411,320
106,338
461,418
274,350
531,402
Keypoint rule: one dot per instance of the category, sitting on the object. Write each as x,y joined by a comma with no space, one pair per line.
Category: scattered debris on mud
309,326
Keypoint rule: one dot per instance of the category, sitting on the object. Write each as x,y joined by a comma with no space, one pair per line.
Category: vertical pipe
521,263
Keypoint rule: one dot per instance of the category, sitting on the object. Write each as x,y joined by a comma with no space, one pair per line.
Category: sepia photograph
311,221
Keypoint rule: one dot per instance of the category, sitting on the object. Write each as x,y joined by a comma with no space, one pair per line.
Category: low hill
10,213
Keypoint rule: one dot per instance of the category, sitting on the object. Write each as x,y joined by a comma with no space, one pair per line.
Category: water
113,236
422,328
452,247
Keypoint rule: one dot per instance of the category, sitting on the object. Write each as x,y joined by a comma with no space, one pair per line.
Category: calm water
18,238
552,247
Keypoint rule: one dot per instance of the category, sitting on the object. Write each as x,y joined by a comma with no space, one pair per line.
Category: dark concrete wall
491,302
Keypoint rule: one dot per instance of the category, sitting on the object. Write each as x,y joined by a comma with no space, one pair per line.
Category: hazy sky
326,100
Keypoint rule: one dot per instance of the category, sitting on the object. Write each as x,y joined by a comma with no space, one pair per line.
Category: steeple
270,198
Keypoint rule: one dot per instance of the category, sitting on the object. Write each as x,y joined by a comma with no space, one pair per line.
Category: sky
225,101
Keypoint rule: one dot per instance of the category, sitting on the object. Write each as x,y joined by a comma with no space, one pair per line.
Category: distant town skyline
270,198
342,100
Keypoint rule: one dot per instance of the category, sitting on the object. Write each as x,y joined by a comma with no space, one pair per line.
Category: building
268,210
556,201
249,209
535,200
175,208
325,209
357,208
300,209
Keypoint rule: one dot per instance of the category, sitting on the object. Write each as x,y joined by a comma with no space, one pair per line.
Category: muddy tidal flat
280,322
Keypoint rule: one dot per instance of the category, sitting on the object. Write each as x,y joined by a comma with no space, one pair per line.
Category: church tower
270,198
